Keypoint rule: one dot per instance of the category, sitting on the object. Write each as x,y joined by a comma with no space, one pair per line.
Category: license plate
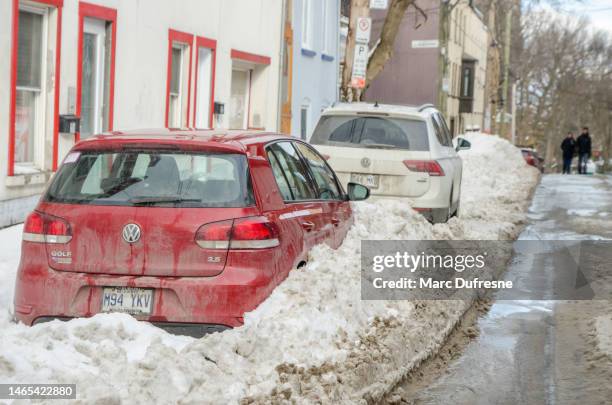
134,301
368,180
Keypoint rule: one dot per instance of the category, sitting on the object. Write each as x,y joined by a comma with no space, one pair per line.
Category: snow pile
603,333
314,339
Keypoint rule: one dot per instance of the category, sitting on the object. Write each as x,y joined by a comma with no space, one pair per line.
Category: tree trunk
390,28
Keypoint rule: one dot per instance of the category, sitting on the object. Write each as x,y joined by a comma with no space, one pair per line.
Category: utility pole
443,34
492,88
505,85
359,8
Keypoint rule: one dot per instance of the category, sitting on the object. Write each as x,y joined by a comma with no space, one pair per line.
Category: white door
239,101
93,79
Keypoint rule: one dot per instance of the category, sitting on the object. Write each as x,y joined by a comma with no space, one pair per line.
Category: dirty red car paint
180,228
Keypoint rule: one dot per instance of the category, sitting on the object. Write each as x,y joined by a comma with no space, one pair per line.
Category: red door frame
13,90
104,14
250,57
202,42
187,39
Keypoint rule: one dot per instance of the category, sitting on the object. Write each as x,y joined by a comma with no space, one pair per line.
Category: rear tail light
431,167
43,228
245,233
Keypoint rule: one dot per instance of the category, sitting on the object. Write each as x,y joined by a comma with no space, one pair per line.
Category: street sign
426,43
379,4
360,64
364,28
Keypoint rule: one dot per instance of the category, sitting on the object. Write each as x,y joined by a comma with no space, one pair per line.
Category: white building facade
119,64
316,25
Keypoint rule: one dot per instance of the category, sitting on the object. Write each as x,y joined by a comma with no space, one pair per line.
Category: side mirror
358,192
463,144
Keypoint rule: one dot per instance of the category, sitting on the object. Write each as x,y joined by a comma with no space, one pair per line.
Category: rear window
371,132
152,178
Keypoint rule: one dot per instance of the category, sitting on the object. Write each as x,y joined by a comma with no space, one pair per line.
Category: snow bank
314,339
603,333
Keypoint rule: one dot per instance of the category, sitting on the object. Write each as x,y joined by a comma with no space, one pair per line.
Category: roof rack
426,106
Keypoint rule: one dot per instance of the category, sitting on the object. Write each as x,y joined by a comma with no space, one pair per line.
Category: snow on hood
314,319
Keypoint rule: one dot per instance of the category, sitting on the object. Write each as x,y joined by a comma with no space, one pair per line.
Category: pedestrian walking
568,146
583,143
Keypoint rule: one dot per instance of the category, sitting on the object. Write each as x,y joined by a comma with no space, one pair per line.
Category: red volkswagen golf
185,229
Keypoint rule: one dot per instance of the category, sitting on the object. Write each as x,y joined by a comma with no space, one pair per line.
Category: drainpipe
281,56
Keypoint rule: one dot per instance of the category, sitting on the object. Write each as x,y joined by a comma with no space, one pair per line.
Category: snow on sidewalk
313,331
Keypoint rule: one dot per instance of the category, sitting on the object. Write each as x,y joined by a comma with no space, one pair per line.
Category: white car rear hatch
388,153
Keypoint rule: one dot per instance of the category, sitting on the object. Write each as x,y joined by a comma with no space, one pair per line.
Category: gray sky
599,11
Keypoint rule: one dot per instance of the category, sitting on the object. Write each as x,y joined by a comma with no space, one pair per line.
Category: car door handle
308,226
335,221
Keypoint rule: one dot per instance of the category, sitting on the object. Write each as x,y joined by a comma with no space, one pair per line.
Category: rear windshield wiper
161,200
377,145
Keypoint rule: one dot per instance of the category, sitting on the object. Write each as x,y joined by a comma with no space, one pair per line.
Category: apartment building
425,69
116,65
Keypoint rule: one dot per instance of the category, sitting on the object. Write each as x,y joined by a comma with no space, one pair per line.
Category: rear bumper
437,196
195,330
219,302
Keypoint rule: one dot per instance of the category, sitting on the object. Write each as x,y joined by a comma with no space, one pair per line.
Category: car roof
376,108
226,140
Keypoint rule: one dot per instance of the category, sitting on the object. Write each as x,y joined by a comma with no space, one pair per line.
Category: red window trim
184,38
202,42
13,78
105,14
250,57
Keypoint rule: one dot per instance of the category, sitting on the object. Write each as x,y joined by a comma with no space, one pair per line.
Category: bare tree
383,46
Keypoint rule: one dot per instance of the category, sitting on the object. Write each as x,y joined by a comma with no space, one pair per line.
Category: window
326,29
442,132
439,131
371,132
239,99
467,87
29,101
175,87
153,178
204,92
307,28
325,179
304,122
179,79
290,173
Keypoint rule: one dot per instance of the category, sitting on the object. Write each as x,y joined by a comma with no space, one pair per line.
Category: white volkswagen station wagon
397,151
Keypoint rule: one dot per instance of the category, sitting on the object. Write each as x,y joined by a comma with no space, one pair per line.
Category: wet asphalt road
538,351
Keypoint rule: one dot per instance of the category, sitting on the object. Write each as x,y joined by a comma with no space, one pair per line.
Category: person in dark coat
583,143
568,146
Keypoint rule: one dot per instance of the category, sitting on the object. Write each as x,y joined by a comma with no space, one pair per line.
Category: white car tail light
244,233
431,167
43,228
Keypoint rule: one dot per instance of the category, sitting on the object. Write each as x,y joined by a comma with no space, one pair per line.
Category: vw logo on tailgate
131,233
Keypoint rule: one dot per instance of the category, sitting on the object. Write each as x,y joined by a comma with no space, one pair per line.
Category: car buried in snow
186,229
399,152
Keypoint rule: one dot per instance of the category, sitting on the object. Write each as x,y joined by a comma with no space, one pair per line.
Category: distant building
414,73
120,64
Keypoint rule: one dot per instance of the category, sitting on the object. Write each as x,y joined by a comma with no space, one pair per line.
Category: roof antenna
376,104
